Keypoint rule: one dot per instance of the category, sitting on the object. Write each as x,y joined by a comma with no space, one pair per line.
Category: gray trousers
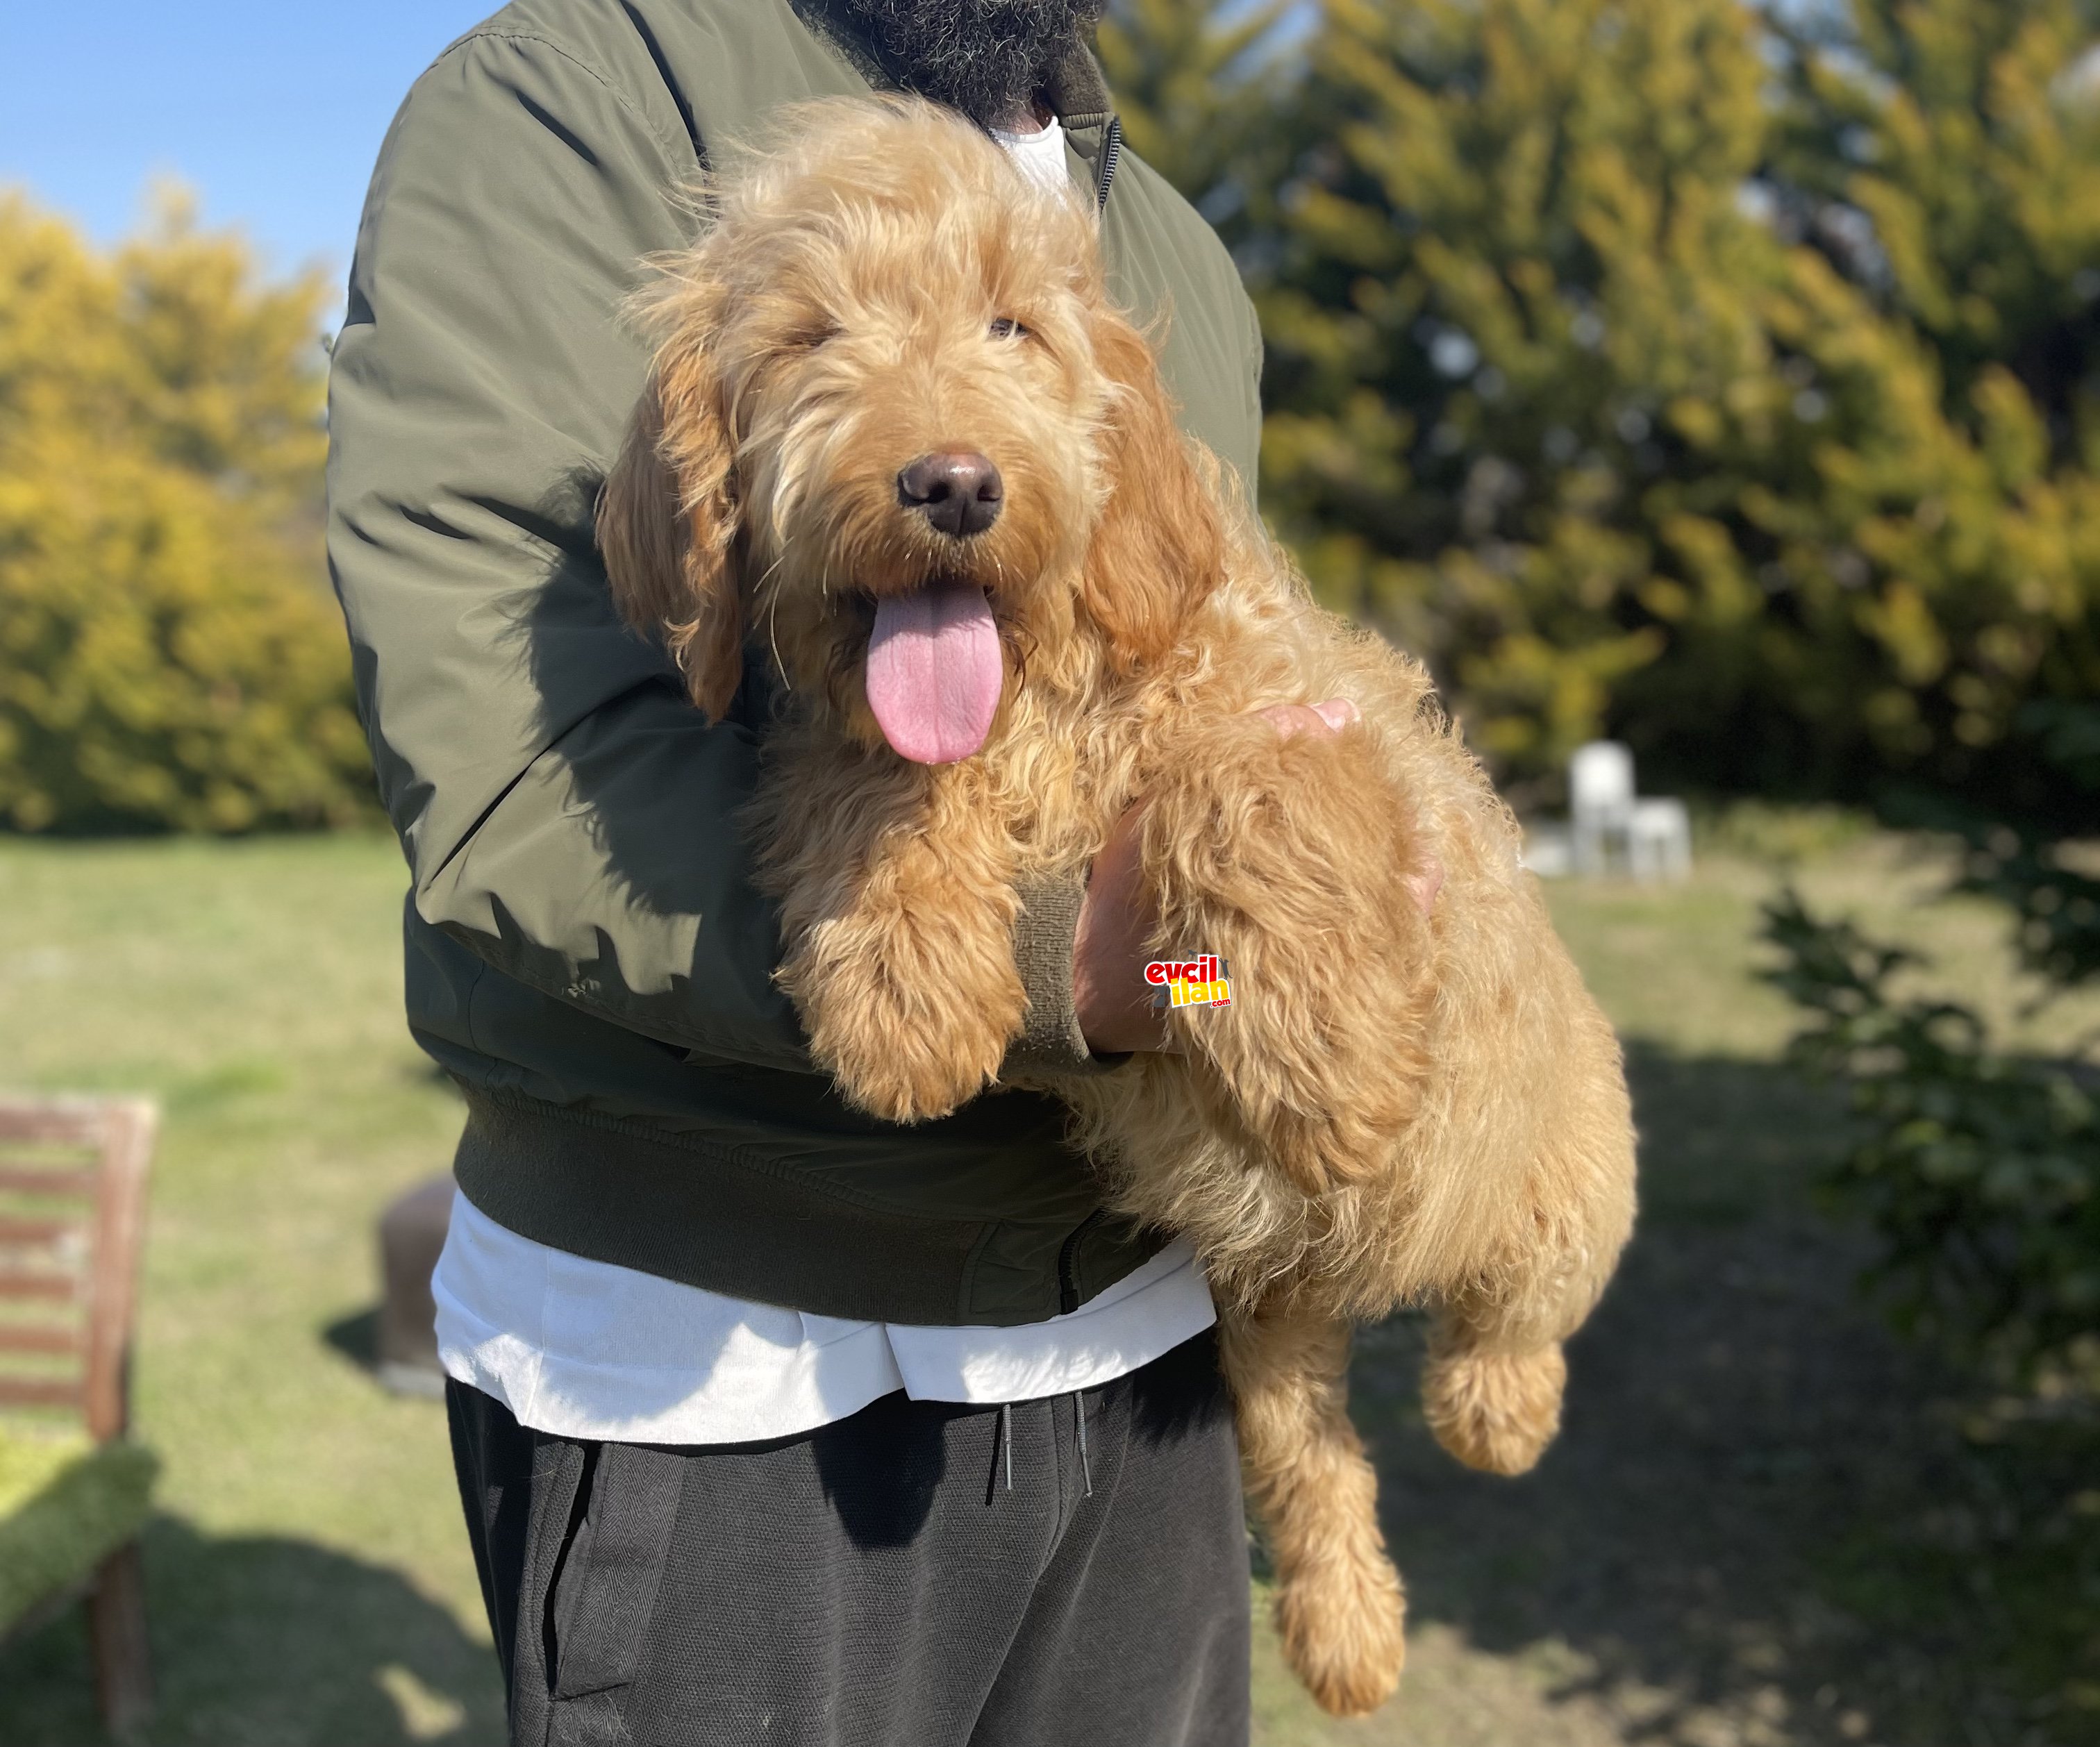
880,1581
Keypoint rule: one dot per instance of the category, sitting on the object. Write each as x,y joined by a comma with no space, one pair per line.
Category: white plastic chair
1659,840
1600,801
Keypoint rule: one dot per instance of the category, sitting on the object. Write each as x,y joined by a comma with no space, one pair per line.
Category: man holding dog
772,1422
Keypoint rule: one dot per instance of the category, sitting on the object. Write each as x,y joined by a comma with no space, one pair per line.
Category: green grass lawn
1762,1525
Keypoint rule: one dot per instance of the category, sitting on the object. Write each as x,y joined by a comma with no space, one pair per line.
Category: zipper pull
1111,150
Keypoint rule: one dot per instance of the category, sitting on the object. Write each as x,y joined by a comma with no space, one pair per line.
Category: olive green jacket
585,953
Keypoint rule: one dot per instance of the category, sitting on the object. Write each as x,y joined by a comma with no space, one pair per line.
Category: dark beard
986,57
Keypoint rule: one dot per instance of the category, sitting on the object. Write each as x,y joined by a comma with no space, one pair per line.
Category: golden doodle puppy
897,436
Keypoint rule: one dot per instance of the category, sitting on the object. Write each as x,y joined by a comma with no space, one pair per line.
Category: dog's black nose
957,490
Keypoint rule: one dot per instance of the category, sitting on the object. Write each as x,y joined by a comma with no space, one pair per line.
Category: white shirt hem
586,1349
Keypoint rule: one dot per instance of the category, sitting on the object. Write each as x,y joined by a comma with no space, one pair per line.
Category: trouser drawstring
1003,1455
1079,1417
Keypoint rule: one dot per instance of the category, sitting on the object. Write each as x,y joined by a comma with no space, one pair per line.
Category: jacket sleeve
566,815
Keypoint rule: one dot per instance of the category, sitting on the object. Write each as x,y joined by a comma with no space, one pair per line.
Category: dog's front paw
911,1023
1494,1411
908,1078
1343,1621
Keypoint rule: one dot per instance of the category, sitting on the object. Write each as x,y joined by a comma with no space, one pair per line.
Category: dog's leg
1494,1373
903,969
1290,860
1492,1410
1339,1607
1493,1379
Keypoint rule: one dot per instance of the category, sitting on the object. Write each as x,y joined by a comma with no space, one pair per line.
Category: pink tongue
934,673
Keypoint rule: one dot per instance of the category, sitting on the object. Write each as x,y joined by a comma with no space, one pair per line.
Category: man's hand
1109,989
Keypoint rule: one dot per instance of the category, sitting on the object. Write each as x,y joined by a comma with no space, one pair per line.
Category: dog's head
896,431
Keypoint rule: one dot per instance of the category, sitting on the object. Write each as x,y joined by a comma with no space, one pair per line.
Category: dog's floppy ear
667,525
1159,549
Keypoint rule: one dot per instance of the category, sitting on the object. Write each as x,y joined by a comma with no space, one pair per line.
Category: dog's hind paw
1496,1412
1345,1634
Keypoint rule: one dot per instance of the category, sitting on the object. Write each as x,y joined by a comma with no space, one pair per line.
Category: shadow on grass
270,1642
1744,1444
355,1337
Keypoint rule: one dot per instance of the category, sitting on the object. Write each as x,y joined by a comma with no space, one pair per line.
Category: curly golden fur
1397,1107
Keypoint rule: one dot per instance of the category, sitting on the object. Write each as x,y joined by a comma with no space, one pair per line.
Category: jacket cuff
1051,1045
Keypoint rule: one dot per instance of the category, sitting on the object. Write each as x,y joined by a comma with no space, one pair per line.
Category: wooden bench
74,1490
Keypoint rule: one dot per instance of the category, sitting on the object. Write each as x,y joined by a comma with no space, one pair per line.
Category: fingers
1118,916
1109,994
1330,717
1424,887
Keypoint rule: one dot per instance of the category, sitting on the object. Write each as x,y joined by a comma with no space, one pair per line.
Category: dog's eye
809,339
1006,327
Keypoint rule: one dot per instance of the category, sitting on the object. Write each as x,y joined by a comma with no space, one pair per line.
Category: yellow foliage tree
169,656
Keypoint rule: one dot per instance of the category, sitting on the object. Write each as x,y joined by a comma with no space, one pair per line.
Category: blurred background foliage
169,657
1717,378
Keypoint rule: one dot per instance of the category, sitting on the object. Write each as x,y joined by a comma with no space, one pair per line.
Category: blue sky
272,113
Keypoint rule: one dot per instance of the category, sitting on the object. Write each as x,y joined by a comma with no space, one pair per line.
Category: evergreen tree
1943,159
1201,97
1661,367
168,654
1515,284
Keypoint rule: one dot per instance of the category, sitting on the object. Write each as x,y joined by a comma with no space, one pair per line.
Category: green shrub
169,656
1979,1171
2050,883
